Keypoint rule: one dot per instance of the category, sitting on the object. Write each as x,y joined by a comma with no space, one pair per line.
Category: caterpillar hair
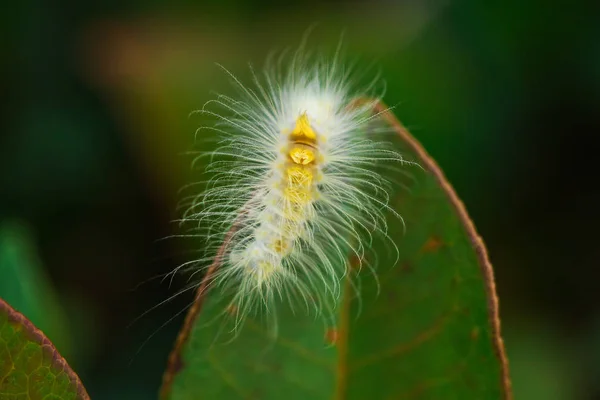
295,190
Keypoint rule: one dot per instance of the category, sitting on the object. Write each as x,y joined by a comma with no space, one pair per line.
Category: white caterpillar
295,185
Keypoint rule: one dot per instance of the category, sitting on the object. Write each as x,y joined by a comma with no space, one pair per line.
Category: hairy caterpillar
295,191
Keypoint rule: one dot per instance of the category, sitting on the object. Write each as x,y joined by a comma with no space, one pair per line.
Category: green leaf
431,331
26,286
30,366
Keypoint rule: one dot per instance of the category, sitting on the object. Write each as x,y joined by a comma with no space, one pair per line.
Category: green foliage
426,328
26,286
30,366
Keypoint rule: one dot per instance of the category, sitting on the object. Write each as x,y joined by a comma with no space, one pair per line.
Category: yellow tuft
263,271
303,131
298,188
281,246
302,154
297,195
300,177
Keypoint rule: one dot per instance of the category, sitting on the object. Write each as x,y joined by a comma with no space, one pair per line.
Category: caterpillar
295,189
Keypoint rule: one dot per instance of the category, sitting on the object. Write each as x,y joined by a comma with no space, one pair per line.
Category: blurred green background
95,120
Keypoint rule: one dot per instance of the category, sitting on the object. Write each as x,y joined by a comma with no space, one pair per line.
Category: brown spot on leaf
355,262
331,336
475,333
231,309
406,267
432,245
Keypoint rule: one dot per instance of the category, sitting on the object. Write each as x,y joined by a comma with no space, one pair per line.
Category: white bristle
295,175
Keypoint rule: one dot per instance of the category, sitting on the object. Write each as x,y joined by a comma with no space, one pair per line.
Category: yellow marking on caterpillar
299,177
302,154
297,196
264,270
303,132
281,246
299,170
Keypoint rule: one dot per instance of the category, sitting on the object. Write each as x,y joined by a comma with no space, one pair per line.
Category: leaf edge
493,304
38,336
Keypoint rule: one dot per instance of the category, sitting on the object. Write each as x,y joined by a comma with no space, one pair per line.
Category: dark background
95,118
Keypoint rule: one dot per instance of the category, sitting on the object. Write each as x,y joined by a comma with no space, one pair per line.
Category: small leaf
430,329
30,366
